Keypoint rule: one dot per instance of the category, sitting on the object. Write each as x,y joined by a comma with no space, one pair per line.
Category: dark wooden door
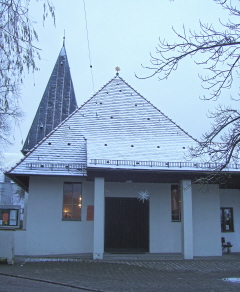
126,225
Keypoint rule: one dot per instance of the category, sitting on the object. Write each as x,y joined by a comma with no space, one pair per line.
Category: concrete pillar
187,219
99,209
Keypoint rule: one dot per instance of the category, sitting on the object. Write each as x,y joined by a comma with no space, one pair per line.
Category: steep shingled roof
116,124
125,126
57,103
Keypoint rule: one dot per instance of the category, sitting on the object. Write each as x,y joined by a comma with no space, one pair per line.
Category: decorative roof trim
159,164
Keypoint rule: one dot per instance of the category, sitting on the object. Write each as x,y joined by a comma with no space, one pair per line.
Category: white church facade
112,177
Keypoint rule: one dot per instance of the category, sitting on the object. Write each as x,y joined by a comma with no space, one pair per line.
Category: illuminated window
72,201
226,219
176,203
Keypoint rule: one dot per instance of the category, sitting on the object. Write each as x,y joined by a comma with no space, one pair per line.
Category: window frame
223,221
12,215
69,210
179,214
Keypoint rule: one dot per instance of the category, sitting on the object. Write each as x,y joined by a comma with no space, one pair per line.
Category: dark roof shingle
58,102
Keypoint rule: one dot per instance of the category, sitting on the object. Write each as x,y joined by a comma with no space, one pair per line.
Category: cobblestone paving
206,266
127,276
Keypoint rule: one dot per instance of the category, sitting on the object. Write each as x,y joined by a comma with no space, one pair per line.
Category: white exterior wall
165,235
231,198
20,242
206,221
46,233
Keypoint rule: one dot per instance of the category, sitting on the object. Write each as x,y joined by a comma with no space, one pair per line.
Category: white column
187,219
99,207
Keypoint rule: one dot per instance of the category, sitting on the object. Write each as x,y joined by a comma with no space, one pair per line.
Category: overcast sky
121,33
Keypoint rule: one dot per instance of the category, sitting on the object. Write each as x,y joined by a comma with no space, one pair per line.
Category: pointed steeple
57,103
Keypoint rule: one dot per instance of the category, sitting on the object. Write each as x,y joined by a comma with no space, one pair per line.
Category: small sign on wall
90,213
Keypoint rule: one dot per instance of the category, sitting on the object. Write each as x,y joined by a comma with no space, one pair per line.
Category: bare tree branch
218,53
219,50
18,54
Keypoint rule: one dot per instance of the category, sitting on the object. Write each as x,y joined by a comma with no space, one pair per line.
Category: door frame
124,235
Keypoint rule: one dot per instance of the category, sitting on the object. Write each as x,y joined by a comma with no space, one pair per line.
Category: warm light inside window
72,201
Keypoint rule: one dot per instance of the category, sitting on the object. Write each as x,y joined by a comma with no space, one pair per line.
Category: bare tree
18,53
219,52
223,154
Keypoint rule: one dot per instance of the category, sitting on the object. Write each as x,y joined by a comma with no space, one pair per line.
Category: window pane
67,193
227,220
77,187
76,212
222,224
175,203
67,211
72,201
77,194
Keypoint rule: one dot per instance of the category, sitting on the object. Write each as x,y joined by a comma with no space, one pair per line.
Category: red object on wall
5,217
90,213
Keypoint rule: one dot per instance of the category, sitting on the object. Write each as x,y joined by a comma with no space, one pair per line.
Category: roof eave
21,180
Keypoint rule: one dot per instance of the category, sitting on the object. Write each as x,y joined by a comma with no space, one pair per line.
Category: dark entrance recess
126,225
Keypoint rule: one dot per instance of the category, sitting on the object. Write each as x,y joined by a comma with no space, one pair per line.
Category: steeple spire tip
64,39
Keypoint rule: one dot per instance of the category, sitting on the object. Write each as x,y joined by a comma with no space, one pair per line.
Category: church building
112,176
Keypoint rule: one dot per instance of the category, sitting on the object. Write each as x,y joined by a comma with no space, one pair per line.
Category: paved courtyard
133,274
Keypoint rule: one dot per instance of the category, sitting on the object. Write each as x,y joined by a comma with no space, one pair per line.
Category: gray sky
122,33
